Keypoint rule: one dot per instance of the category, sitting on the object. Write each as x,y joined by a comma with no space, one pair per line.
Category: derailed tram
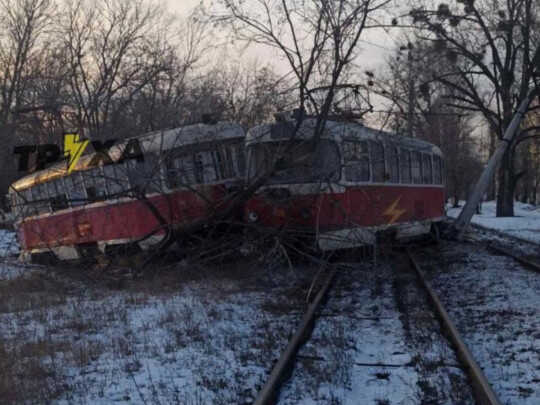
107,205
347,188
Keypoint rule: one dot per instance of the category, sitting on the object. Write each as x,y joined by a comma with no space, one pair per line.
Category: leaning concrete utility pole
462,222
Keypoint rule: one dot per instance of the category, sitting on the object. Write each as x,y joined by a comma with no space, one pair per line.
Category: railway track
270,389
523,260
484,394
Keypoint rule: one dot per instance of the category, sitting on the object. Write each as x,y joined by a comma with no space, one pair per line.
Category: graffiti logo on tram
394,212
47,154
73,149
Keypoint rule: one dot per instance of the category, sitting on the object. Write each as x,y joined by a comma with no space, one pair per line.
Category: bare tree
497,40
251,94
24,27
114,49
318,39
422,107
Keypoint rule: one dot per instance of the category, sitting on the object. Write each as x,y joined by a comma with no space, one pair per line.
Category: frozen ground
376,342
495,304
211,335
525,224
203,338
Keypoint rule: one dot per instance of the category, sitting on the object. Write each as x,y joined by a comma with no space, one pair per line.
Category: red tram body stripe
106,221
364,206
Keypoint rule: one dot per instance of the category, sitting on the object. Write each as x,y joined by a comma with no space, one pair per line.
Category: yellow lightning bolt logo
73,149
394,212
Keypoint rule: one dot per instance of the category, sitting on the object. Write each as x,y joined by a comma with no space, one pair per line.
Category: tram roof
155,142
335,130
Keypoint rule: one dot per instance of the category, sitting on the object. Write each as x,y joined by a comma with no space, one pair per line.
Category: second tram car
185,175
347,187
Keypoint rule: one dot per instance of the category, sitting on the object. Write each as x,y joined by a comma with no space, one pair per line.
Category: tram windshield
296,161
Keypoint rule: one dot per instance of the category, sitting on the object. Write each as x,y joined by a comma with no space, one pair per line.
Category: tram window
426,169
377,161
356,161
57,195
27,208
13,201
51,188
152,173
99,181
112,180
225,162
437,178
240,159
75,189
59,202
17,202
41,197
327,162
393,164
206,169
405,166
145,174
180,171
297,161
27,196
94,184
416,167
220,163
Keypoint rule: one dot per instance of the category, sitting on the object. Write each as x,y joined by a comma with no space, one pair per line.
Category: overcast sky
376,46
374,50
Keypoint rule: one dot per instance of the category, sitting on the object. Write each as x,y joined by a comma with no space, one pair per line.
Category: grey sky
373,51
182,6
375,46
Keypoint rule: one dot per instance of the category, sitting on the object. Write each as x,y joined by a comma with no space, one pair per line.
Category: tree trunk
507,185
493,184
456,201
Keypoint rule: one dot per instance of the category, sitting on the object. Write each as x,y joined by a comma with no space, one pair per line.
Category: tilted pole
462,222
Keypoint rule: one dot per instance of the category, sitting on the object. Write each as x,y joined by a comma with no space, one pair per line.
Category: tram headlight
252,216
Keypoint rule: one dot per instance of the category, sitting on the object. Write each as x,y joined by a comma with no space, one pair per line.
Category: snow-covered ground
525,224
8,243
376,342
495,303
195,337
201,335
211,336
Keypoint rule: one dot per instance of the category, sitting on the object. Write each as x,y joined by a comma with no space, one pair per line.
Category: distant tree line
114,69
118,68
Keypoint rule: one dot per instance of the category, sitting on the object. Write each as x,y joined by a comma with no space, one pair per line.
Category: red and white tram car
345,189
186,174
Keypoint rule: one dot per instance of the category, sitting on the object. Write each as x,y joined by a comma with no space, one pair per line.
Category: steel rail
483,392
526,262
268,392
